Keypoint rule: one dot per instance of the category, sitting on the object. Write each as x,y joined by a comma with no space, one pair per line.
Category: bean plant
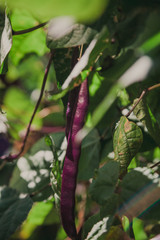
79,120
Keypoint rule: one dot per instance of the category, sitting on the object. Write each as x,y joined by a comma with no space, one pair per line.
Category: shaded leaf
140,193
116,233
114,87
90,155
104,185
13,211
6,171
126,142
88,59
144,114
32,172
110,206
62,64
64,33
89,223
80,66
148,142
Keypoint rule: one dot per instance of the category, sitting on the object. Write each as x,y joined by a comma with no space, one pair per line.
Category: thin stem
38,102
155,165
29,29
154,86
13,157
140,98
142,95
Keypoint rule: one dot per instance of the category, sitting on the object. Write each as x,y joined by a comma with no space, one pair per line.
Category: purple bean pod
71,107
70,169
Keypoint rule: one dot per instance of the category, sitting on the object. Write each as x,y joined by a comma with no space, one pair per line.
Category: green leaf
80,66
138,229
110,206
89,224
148,142
39,212
103,107
140,192
144,114
62,64
22,19
115,86
42,213
18,106
125,223
116,233
32,172
33,42
5,36
104,185
6,172
87,61
4,67
126,142
81,10
131,27
21,72
13,211
64,33
90,155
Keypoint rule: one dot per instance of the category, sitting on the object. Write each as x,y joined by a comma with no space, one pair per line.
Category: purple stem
12,157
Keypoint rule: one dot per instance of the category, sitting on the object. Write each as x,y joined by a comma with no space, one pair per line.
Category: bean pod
77,113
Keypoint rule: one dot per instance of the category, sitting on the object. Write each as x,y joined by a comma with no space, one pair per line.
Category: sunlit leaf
22,19
5,36
138,229
81,10
33,42
19,109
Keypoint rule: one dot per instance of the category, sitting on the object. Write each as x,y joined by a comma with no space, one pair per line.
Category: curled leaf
144,114
126,142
